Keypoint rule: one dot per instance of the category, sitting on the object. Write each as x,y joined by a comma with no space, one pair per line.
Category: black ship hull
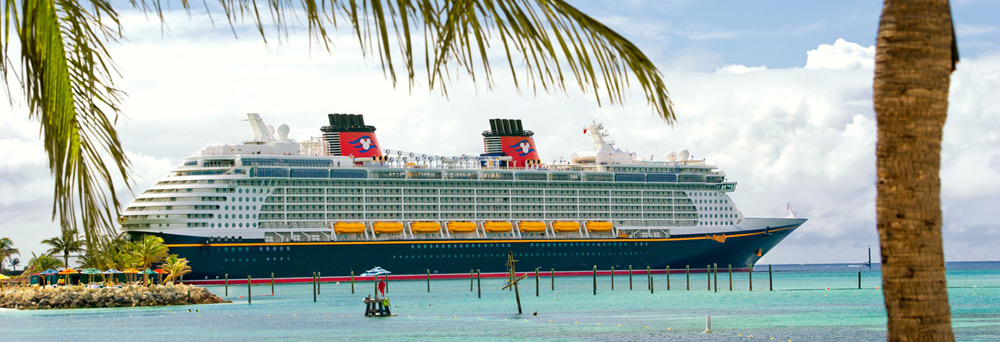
212,261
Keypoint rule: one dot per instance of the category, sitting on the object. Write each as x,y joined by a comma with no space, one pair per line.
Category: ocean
800,308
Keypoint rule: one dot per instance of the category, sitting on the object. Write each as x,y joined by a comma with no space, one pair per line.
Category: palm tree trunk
915,56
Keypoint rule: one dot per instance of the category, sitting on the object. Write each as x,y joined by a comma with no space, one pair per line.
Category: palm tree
67,75
7,251
176,266
14,262
68,243
148,251
916,53
39,263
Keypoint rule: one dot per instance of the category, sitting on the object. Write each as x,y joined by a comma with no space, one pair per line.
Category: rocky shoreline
73,297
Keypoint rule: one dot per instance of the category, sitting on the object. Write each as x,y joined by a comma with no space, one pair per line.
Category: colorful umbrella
91,272
159,274
50,271
67,272
131,271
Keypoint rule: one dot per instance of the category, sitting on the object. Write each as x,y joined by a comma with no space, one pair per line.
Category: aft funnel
347,135
508,138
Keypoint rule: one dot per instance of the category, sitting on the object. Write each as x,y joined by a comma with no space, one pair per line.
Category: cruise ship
339,203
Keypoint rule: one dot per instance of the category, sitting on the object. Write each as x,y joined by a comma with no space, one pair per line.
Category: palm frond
66,77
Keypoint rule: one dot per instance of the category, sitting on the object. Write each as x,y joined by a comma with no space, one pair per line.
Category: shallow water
800,309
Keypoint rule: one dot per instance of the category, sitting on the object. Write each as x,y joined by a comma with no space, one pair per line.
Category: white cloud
841,55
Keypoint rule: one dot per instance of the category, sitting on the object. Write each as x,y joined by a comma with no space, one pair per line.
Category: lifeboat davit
497,227
565,226
598,226
388,227
349,227
461,227
531,226
425,227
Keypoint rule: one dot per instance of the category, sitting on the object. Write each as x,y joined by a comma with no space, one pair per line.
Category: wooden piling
272,284
595,280
428,280
630,277
651,283
770,280
352,281
730,277
859,280
249,294
668,277
687,276
612,278
319,282
537,281
750,273
471,279
227,284
479,284
708,274
314,287
552,275
716,277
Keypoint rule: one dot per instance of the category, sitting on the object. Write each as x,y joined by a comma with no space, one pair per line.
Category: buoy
739,335
619,325
877,287
828,288
573,322
598,323
645,327
669,328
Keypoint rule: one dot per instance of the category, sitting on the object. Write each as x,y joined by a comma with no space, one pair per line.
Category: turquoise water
800,309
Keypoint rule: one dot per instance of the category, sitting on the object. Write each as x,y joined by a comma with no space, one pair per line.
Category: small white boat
377,271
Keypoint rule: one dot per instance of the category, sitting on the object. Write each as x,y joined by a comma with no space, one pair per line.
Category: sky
776,93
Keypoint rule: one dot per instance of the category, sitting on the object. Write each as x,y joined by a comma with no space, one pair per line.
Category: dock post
859,280
428,280
750,273
595,280
249,295
652,284
770,280
352,281
227,284
479,284
471,278
630,277
716,277
314,287
708,323
687,275
730,277
552,275
537,281
272,284
612,278
649,279
319,282
668,277
708,273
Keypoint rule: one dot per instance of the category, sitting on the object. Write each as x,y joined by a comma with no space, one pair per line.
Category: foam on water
800,309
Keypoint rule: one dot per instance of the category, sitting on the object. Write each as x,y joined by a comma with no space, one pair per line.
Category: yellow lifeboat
598,226
349,227
461,227
425,227
531,227
565,226
388,227
497,227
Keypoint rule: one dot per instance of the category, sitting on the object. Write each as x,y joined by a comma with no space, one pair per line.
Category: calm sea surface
799,309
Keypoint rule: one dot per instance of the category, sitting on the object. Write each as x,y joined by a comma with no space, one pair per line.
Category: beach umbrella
113,271
50,271
67,272
131,271
159,274
91,272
